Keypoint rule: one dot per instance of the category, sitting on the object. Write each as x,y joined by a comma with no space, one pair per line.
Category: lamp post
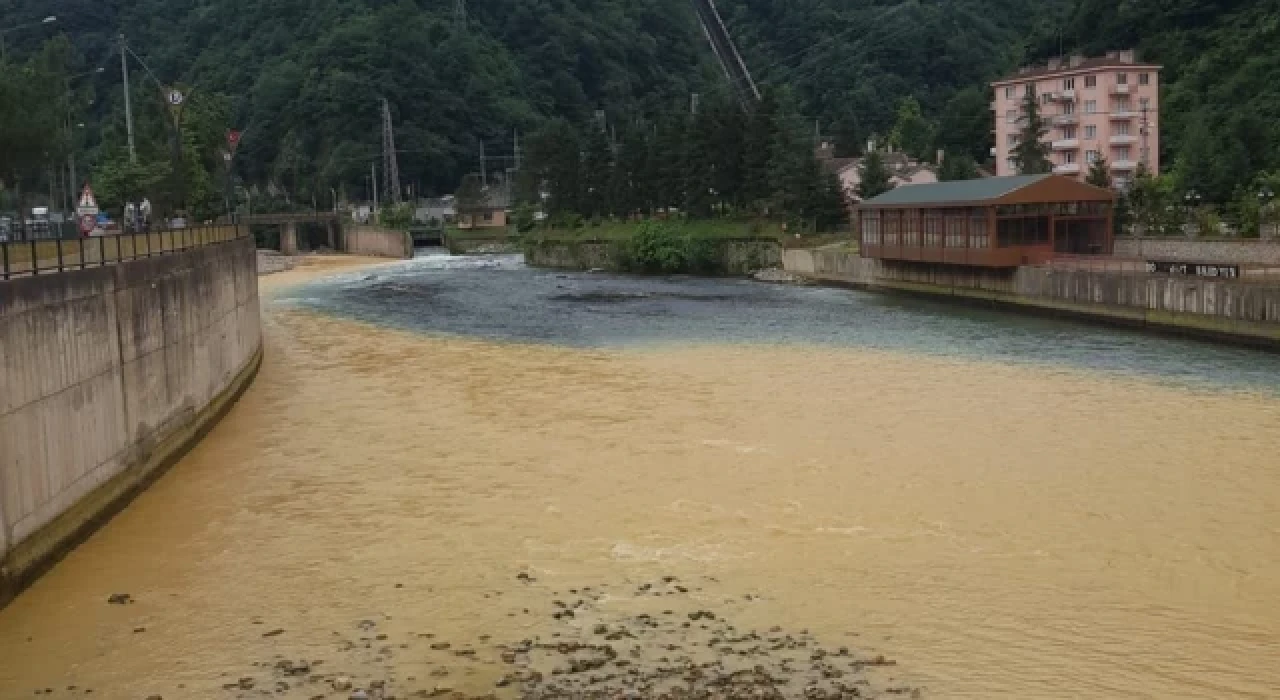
4,56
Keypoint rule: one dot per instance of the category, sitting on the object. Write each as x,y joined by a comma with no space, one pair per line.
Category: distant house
490,211
438,210
903,170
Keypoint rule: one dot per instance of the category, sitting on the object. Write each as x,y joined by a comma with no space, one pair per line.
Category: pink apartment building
1095,107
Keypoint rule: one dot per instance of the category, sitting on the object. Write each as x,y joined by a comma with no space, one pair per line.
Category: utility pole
373,178
483,180
390,167
128,108
693,103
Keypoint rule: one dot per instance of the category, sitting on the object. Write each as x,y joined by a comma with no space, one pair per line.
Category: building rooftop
981,190
1077,65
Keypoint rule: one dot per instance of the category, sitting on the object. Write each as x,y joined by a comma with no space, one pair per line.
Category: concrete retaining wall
1217,308
733,256
1229,251
378,242
106,376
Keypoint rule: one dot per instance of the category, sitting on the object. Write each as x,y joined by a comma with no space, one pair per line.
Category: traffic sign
88,222
87,200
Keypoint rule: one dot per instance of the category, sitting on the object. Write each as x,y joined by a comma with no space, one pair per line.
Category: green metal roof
958,191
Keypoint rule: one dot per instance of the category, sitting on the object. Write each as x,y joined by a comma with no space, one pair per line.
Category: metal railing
47,256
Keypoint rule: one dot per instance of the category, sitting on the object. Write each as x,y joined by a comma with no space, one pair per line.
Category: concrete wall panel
105,376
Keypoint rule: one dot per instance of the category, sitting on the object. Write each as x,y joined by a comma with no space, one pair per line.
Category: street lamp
3,53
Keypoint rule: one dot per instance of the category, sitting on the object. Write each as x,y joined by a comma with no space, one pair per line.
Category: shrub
658,247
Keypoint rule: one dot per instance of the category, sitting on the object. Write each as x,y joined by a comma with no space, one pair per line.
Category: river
457,451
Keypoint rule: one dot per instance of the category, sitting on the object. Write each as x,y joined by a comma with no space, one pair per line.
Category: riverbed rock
341,683
120,599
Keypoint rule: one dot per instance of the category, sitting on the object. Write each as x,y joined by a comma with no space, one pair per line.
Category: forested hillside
304,78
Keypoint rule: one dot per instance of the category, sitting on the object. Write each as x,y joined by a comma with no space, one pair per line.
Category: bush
658,247
397,217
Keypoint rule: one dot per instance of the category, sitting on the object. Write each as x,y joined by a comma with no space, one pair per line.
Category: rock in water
120,599
342,683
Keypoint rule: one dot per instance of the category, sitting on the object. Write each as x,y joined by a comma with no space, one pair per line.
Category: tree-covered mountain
304,78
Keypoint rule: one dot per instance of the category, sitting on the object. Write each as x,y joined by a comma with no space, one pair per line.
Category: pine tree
957,167
1099,173
874,179
1031,155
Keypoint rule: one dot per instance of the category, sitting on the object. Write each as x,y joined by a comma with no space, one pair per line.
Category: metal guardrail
47,256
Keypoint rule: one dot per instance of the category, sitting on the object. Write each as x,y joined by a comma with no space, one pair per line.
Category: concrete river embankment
1235,310
108,374
467,476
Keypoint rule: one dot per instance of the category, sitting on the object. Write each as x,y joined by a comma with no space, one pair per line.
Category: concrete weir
107,376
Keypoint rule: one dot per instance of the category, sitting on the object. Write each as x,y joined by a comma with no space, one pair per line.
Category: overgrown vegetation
659,246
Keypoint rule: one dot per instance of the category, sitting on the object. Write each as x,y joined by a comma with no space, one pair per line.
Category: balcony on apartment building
1066,119
1123,139
1064,96
1120,89
1123,165
1070,144
1122,114
1067,169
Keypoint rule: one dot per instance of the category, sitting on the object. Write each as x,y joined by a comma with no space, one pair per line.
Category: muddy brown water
998,530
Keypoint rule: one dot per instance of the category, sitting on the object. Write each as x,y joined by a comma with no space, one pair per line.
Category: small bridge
289,222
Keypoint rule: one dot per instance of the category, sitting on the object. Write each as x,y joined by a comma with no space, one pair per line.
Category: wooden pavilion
992,222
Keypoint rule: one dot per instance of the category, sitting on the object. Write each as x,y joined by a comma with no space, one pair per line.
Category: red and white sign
88,204
88,222
233,140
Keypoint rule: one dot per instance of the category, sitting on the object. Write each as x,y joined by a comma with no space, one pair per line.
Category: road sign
233,142
88,222
88,204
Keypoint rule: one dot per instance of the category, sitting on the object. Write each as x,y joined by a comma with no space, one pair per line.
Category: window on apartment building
1010,92
1069,84
1091,132
1091,81
1122,78
1068,132
1120,106
1012,165
1091,157
1068,108
1029,89
1121,153
1122,129
1068,157
1090,106
1144,102
1144,78
1011,116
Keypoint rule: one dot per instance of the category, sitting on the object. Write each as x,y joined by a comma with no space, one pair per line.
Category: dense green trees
34,126
720,162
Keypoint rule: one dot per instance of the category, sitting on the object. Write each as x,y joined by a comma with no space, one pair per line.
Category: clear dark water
499,298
